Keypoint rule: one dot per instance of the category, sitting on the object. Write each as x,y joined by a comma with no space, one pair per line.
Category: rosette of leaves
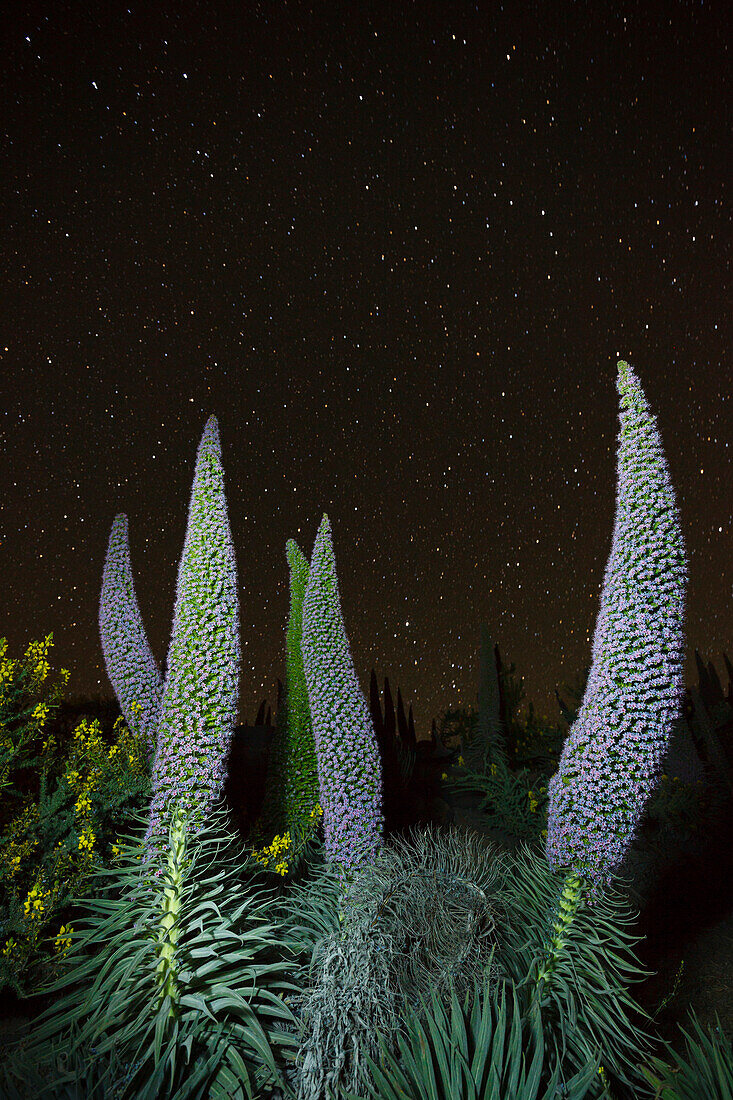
486,1052
576,961
173,984
576,1032
422,918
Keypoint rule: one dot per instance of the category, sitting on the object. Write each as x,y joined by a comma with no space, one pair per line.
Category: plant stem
570,902
170,902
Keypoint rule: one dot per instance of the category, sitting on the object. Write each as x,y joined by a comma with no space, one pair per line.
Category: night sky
396,250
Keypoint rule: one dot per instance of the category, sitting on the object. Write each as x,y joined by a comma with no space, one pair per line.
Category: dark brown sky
398,254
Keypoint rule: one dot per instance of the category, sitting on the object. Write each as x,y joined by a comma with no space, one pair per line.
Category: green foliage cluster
514,785
291,811
60,819
23,712
422,917
173,987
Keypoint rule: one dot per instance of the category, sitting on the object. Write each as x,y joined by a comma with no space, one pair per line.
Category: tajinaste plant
349,768
131,667
200,696
291,793
610,763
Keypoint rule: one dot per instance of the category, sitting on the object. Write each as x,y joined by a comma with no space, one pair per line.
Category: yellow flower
86,841
83,804
9,948
444,775
62,942
115,851
33,905
460,762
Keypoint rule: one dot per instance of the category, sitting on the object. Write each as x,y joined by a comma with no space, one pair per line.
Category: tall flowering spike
131,667
611,759
291,792
199,709
349,769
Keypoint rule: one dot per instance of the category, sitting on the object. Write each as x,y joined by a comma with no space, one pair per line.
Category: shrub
50,848
24,754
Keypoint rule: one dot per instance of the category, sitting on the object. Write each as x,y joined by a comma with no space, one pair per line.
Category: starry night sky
397,250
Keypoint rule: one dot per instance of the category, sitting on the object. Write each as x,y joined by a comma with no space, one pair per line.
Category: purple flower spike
199,708
349,767
611,759
131,667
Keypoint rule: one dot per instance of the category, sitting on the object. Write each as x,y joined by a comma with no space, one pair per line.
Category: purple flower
349,767
199,706
611,759
131,667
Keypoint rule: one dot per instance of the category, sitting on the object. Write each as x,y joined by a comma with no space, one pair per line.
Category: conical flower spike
610,763
199,709
131,667
349,767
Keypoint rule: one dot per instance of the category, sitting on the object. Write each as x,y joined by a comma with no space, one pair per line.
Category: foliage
173,985
493,1052
422,917
428,934
50,848
23,711
577,962
514,802
705,1074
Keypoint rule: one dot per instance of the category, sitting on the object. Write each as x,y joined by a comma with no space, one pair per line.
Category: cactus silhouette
131,667
610,762
487,746
199,707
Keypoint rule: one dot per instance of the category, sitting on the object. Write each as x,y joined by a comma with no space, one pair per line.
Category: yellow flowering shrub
63,823
24,753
